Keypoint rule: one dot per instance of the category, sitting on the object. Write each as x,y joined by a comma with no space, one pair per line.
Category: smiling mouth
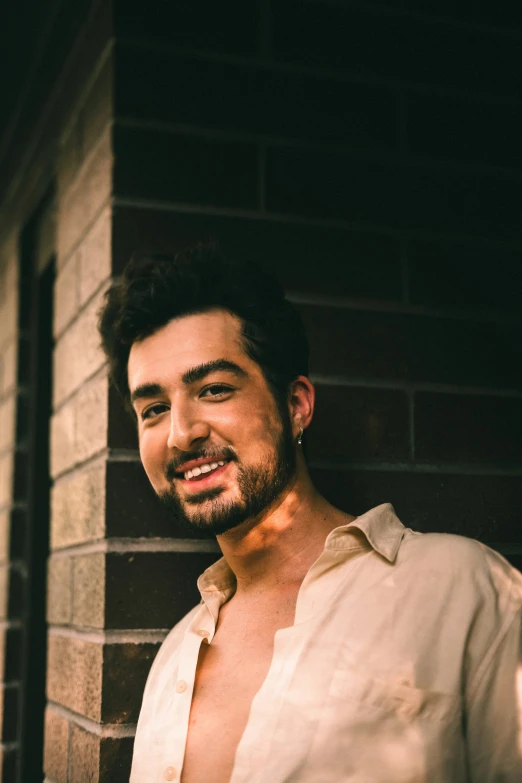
203,473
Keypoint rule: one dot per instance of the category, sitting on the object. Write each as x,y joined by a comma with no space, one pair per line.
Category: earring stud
300,436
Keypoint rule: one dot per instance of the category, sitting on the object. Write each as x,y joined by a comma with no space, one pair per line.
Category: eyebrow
199,372
192,375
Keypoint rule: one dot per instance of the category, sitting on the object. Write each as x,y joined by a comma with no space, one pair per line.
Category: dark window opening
33,437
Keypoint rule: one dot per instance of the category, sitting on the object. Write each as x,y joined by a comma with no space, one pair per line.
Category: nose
187,428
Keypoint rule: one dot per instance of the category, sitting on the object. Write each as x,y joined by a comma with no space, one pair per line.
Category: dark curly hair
154,289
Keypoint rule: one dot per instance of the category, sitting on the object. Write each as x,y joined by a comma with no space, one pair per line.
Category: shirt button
181,686
202,632
170,773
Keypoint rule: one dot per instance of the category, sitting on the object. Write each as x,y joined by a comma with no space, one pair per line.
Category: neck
278,549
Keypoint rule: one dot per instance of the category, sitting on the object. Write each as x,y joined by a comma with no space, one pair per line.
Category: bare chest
230,672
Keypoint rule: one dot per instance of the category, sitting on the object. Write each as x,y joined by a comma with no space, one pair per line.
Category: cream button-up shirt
403,665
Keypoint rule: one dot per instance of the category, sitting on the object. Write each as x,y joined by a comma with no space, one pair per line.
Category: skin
269,554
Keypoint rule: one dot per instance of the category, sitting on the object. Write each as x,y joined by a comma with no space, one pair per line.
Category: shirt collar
380,526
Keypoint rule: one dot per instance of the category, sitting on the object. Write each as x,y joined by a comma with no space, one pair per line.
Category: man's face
212,441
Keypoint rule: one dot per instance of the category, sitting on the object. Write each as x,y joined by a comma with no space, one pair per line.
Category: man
327,647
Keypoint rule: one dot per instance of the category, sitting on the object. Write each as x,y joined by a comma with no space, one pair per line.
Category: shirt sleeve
493,718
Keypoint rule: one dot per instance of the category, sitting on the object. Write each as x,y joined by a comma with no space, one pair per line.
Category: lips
204,478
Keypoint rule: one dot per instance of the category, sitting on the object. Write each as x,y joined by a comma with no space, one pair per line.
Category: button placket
183,686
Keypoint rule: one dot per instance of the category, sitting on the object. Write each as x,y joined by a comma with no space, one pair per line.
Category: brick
69,158
158,165
125,671
356,264
480,506
277,103
56,747
201,24
96,33
63,453
100,759
82,127
450,275
152,589
66,296
115,759
121,431
59,590
357,423
6,478
74,674
77,507
45,250
8,316
338,186
5,525
37,110
97,108
94,256
78,206
7,422
89,590
85,756
395,46
483,428
9,366
79,428
413,348
132,508
77,354
446,127
91,409
9,250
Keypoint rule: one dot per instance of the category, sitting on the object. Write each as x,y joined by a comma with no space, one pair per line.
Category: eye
153,411
216,390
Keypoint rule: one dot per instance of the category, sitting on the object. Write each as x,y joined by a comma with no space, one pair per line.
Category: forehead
183,343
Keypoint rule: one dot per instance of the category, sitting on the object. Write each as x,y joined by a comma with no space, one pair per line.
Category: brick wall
368,154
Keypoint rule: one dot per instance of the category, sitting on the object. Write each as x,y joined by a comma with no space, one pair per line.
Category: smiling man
326,647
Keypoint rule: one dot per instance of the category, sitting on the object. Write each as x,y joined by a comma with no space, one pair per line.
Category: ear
301,403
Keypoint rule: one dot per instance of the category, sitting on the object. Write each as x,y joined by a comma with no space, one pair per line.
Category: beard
259,487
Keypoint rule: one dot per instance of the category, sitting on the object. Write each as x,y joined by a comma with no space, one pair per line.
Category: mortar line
385,229
114,730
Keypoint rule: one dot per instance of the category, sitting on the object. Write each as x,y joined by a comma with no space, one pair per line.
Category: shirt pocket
396,698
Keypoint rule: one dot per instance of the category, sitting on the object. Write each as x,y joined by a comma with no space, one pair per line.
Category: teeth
206,468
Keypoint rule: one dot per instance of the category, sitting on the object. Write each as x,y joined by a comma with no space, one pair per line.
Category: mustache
173,467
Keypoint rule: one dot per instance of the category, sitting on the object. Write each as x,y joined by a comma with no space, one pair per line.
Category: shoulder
463,563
